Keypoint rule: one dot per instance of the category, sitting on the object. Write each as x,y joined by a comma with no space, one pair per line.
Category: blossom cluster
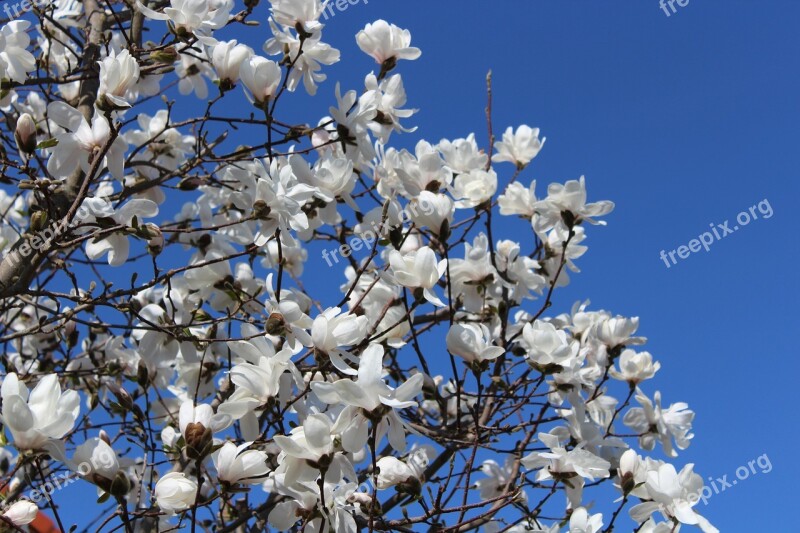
214,386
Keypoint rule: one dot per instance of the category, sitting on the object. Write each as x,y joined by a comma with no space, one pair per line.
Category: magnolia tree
160,209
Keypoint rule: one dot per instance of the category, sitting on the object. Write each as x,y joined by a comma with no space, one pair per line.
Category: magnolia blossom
15,60
369,394
306,13
518,200
118,74
655,423
310,450
193,17
332,330
25,133
519,147
432,210
116,244
197,424
673,494
384,42
21,512
635,367
472,342
175,492
35,418
261,77
547,345
474,188
575,465
82,143
227,58
569,198
580,521
307,54
239,464
98,457
392,471
418,270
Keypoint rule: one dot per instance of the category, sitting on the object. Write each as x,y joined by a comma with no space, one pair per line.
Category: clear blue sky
683,121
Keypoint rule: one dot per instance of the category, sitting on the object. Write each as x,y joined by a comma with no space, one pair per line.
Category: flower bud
168,55
38,220
198,440
25,134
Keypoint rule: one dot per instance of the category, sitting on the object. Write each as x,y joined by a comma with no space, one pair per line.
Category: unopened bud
168,55
25,134
198,440
276,324
38,220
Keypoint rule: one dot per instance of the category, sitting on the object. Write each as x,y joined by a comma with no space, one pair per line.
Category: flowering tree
173,358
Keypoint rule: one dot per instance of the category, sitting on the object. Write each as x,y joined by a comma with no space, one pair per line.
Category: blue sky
683,121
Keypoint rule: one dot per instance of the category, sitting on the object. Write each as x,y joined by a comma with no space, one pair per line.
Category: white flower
546,344
560,461
652,422
635,367
21,512
118,74
82,143
568,200
25,133
309,449
574,465
371,394
392,471
390,95
116,244
175,492
193,73
432,210
238,464
475,188
673,494
418,270
498,479
34,418
278,202
203,415
261,76
98,456
463,156
517,200
519,147
293,12
193,17
227,58
307,65
384,41
472,342
257,379
581,522
332,330
15,60
618,331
